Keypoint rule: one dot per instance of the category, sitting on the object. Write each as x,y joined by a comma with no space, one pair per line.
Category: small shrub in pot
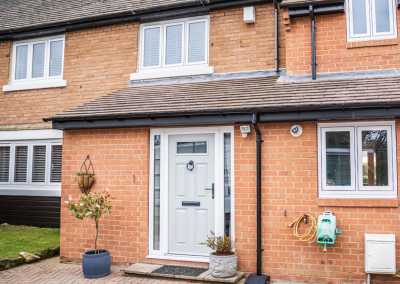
95,263
223,261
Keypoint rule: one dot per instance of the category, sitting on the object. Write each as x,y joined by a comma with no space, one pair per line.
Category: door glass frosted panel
21,62
21,163
382,16
192,147
151,47
4,163
197,42
375,158
227,183
38,60
173,45
338,168
39,163
56,58
157,149
359,16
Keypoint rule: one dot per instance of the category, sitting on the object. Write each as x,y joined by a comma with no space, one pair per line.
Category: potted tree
95,263
223,261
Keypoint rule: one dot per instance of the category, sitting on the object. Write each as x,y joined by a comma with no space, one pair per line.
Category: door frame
164,134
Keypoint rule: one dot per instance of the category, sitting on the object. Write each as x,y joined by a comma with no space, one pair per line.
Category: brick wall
96,62
99,61
237,46
333,53
289,182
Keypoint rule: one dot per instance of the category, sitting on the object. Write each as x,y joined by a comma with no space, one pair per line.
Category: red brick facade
289,182
334,54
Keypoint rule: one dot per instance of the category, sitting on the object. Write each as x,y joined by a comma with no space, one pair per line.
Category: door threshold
180,257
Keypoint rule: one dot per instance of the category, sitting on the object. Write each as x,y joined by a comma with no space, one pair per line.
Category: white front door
190,192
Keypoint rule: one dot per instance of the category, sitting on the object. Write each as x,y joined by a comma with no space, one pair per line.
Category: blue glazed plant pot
96,265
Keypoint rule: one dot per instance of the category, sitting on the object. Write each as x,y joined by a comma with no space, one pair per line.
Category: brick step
145,270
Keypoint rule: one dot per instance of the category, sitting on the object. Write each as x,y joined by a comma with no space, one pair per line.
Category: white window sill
35,85
172,72
180,257
359,196
41,191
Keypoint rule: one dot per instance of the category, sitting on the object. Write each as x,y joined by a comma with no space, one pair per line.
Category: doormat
180,270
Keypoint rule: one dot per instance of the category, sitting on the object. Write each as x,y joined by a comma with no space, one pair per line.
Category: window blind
56,58
38,60
4,163
197,42
21,62
21,163
56,163
151,47
173,42
39,163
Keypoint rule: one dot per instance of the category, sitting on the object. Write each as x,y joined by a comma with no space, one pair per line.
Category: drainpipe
314,63
258,278
276,37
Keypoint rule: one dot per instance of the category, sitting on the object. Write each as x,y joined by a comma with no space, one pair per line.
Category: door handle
212,188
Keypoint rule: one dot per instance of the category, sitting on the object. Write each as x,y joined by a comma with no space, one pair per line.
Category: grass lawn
16,239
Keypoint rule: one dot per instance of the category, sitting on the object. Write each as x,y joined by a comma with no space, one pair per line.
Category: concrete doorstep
145,269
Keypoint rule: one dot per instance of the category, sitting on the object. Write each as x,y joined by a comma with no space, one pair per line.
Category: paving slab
146,269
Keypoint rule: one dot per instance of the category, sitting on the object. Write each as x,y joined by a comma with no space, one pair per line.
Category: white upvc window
173,47
37,63
357,160
371,19
30,164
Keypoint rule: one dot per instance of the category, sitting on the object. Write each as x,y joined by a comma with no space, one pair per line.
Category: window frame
371,23
359,191
185,43
29,183
30,43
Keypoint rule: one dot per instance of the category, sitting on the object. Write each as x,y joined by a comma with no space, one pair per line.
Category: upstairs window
180,43
38,60
371,19
357,160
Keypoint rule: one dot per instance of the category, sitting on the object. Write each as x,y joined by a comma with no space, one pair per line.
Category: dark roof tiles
239,94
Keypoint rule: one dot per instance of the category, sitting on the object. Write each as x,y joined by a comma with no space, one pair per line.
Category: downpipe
258,278
313,63
276,37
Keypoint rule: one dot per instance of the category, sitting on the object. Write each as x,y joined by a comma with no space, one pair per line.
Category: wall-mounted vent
380,253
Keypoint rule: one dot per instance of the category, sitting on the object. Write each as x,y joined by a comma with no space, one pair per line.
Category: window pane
197,42
200,147
375,158
157,149
173,48
38,60
227,183
56,163
338,169
56,58
21,163
359,16
382,16
21,62
192,147
151,47
39,163
4,163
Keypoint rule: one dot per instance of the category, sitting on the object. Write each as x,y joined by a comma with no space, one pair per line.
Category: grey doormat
180,270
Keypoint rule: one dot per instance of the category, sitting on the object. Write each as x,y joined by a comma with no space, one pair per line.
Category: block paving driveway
52,271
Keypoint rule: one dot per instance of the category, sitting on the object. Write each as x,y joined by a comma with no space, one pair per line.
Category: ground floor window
31,160
357,159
